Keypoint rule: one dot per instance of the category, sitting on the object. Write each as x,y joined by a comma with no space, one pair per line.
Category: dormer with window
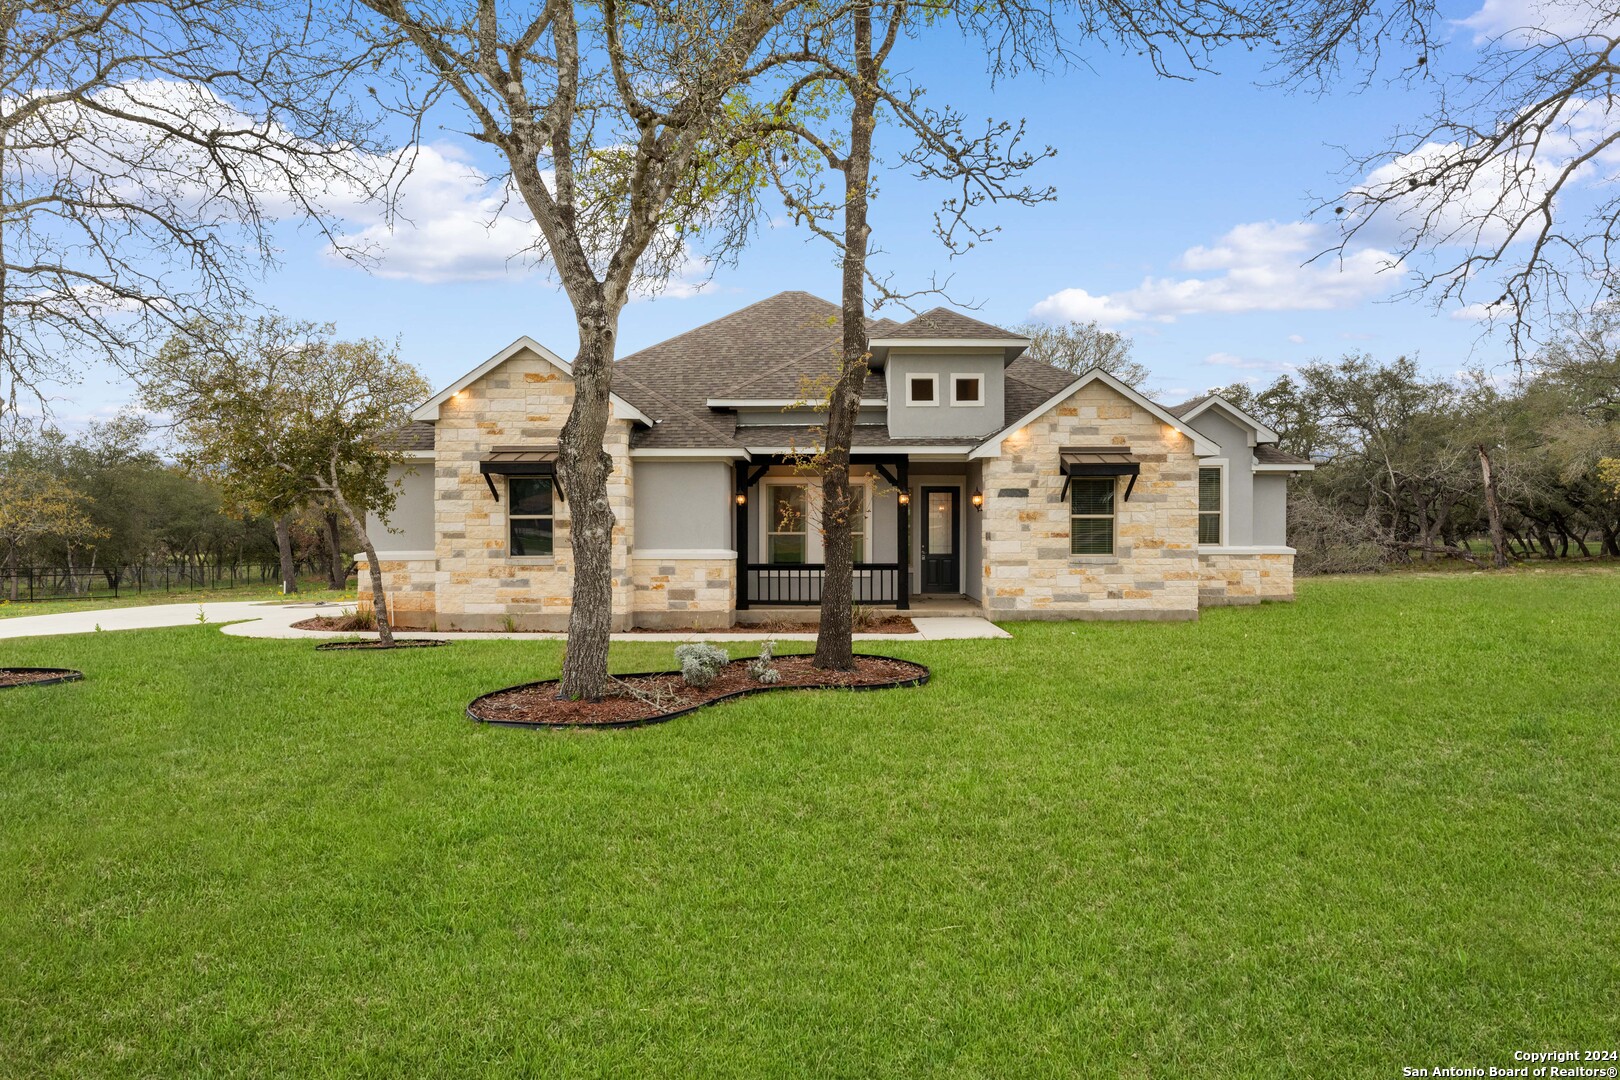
944,375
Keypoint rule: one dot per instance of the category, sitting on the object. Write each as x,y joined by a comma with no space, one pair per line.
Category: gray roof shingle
944,323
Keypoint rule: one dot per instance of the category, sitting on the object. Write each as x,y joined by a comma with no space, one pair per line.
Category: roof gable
429,410
1191,410
991,447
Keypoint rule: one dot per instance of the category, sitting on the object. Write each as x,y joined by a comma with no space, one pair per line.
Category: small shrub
700,663
761,667
362,618
509,624
862,620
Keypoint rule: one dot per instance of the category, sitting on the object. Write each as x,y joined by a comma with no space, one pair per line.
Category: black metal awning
1099,461
520,461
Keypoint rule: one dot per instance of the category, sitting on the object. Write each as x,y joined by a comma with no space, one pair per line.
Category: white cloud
1296,339
1261,266
1246,363
1526,21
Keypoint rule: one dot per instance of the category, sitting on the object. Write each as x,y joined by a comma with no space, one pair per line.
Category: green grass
1377,828
310,589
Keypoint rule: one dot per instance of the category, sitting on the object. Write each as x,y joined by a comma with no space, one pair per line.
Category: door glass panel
941,535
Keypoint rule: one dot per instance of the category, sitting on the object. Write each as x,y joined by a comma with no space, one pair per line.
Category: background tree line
1417,467
105,501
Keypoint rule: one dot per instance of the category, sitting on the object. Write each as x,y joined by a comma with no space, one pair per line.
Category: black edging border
367,645
896,684
62,675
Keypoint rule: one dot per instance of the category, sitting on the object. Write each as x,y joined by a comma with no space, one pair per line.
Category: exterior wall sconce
978,500
742,498
904,498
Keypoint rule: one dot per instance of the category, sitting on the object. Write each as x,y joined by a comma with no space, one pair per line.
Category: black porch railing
800,584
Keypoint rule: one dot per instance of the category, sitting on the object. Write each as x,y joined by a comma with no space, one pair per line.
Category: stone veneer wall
676,593
1153,573
410,587
522,402
1244,579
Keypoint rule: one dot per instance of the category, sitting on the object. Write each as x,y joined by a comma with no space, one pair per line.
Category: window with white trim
967,390
529,515
787,536
1091,515
857,521
922,390
1209,506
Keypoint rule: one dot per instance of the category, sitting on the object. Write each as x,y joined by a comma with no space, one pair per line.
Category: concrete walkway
271,619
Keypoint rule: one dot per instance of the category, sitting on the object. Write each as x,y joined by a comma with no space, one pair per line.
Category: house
984,477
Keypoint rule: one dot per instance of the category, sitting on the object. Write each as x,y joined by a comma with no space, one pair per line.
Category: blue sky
1182,218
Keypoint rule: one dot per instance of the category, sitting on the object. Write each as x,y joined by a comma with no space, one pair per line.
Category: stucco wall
1234,441
1244,579
944,418
1271,509
409,527
683,505
1028,570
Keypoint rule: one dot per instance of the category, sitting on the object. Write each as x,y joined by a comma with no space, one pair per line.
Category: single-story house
986,477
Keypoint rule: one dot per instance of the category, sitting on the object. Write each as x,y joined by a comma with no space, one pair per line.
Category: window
967,390
1209,506
857,522
530,517
1091,515
787,537
922,390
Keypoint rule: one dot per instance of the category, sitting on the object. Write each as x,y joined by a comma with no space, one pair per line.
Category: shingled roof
1268,454
416,435
945,323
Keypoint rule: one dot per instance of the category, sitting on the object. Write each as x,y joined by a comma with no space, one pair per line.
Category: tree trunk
1493,510
584,466
337,575
379,598
835,645
289,572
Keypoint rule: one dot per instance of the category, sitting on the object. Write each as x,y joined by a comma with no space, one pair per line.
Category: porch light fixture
742,498
904,498
978,500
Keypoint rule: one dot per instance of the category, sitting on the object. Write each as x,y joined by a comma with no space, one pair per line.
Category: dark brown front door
941,540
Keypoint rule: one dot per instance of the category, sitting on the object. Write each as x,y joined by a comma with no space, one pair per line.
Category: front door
941,541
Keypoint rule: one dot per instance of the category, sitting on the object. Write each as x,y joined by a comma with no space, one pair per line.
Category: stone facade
409,584
1028,570
1244,578
677,593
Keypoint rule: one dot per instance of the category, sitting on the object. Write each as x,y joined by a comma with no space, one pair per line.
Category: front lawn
1374,829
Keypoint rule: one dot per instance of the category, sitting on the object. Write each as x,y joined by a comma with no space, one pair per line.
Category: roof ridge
723,318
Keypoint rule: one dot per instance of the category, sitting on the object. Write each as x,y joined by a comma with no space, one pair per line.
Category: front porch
779,547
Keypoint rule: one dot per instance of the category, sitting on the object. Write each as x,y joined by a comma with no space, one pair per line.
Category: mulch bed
36,676
891,624
399,643
664,695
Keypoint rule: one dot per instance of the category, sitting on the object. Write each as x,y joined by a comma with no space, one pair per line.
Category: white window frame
1226,501
769,514
933,380
815,550
976,377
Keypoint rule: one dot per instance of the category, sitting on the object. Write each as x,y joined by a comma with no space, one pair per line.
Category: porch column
905,535
741,535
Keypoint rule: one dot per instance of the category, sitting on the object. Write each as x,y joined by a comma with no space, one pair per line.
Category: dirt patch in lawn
374,646
651,697
36,676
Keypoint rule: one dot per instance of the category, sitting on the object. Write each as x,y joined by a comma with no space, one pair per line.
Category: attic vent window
922,390
967,390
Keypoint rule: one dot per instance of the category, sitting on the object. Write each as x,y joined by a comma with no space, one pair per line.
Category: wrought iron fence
33,583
